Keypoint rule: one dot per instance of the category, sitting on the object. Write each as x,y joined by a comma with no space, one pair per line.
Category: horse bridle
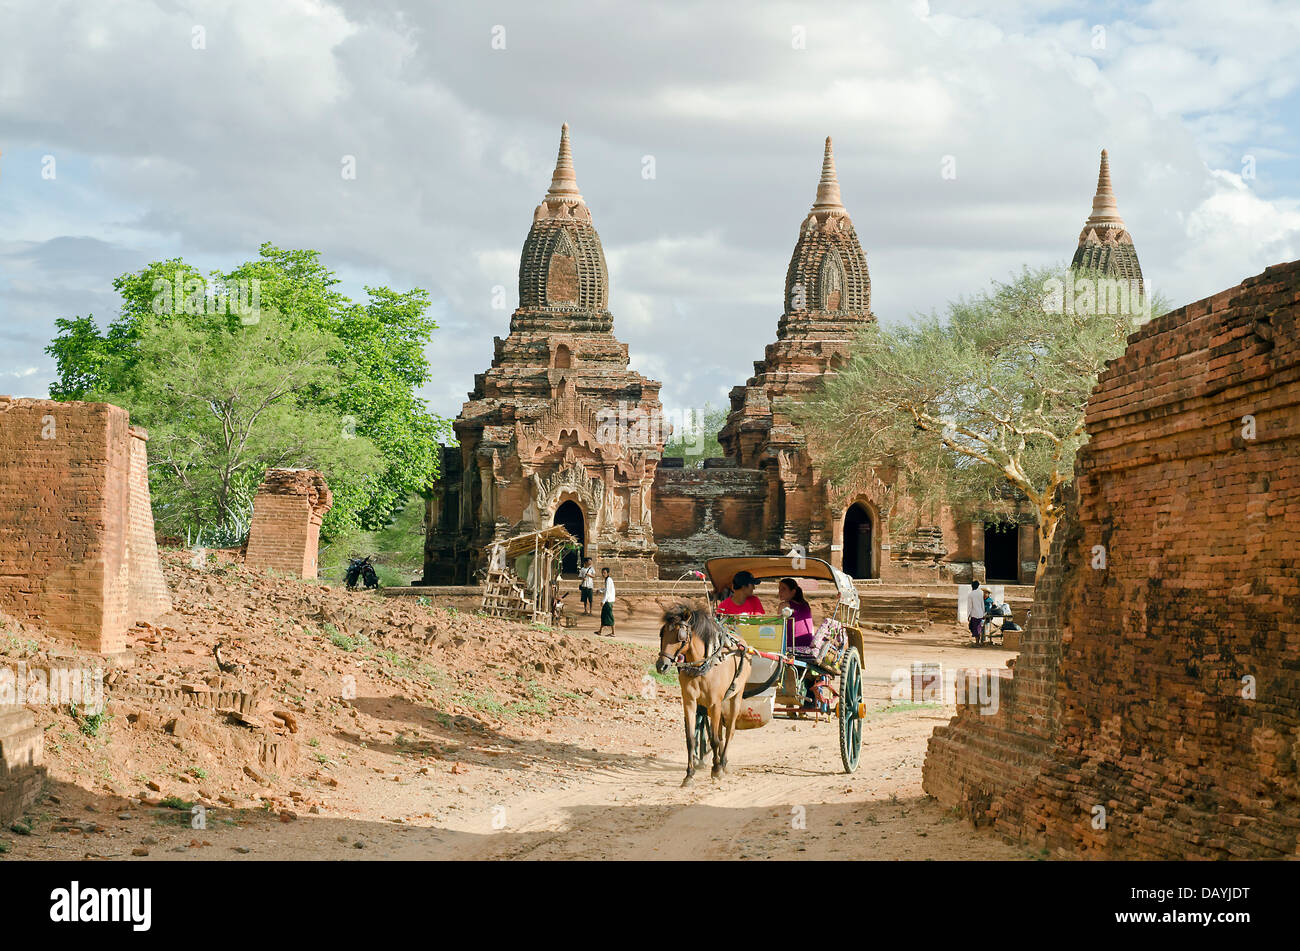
683,624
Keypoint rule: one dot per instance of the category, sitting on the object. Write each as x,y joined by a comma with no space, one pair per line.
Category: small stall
523,574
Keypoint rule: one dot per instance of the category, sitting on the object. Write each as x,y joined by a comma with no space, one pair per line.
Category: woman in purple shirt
801,626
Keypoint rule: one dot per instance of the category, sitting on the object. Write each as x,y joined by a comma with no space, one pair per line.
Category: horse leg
701,749
733,711
689,716
715,734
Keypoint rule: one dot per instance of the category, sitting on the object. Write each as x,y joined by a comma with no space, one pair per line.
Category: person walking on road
607,606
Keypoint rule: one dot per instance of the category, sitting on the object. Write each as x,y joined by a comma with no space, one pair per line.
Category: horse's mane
703,623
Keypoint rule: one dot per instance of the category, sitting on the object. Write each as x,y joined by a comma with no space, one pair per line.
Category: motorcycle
360,570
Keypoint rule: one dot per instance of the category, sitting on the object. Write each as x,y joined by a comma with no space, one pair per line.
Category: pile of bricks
77,549
1155,708
287,512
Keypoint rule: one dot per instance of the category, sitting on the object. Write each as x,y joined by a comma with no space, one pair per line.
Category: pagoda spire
828,189
564,183
1105,210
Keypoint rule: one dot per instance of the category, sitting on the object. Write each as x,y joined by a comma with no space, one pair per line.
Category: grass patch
91,723
668,679
397,660
176,802
538,702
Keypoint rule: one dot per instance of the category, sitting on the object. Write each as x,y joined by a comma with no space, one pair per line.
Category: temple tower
1105,244
827,304
558,430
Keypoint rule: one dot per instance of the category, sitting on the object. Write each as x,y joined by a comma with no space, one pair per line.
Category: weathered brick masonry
287,513
1134,689
77,550
22,744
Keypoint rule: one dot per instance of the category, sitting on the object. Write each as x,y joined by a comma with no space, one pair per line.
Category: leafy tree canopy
273,331
986,404
697,438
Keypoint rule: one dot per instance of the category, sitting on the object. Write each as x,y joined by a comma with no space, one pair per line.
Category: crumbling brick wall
76,531
22,745
1158,713
287,512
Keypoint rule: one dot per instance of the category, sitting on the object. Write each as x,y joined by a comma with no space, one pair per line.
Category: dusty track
596,776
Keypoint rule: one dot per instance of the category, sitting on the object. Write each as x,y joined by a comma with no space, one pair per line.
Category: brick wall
74,519
1164,687
287,512
706,513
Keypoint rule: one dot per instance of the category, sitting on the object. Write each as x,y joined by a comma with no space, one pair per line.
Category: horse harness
728,644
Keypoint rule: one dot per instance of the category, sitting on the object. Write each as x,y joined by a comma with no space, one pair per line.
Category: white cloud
165,150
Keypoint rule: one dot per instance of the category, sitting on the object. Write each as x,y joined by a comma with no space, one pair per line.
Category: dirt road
603,783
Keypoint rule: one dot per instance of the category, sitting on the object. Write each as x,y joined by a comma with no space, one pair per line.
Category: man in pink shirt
742,599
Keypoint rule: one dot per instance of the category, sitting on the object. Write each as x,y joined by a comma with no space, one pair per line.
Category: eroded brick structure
77,548
558,430
287,512
1164,685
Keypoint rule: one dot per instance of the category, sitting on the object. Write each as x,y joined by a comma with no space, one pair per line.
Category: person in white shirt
587,584
975,599
607,606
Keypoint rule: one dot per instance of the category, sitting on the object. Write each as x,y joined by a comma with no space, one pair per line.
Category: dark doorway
569,514
857,542
1001,552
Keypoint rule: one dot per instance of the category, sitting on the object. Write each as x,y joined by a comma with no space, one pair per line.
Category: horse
712,667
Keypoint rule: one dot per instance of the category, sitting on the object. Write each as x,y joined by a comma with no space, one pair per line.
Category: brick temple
560,431
535,450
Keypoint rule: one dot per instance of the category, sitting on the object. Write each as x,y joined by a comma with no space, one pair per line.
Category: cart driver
742,599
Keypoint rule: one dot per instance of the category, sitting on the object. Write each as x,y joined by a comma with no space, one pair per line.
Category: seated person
742,599
800,623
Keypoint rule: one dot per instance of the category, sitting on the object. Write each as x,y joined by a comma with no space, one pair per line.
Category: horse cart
821,680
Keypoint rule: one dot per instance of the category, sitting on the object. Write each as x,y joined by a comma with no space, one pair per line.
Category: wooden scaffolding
508,595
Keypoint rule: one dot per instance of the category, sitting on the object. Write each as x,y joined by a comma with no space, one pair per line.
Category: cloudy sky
205,129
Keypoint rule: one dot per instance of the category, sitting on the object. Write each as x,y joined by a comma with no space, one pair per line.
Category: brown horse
712,668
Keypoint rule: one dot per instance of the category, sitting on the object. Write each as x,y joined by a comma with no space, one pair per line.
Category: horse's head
674,635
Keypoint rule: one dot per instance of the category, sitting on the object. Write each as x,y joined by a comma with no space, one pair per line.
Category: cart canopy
770,567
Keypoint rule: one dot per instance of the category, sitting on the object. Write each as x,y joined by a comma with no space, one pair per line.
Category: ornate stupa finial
828,189
1105,210
564,183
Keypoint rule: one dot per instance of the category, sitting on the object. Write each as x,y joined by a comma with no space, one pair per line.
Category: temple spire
1105,210
828,189
564,183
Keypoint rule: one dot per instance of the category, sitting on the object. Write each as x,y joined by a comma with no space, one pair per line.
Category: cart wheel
850,704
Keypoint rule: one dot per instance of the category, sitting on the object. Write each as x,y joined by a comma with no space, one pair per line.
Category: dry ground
466,739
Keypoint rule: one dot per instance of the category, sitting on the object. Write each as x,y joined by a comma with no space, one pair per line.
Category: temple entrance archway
1001,552
859,538
569,514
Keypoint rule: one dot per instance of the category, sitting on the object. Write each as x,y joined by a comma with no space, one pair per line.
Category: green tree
222,407
984,404
376,347
697,439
